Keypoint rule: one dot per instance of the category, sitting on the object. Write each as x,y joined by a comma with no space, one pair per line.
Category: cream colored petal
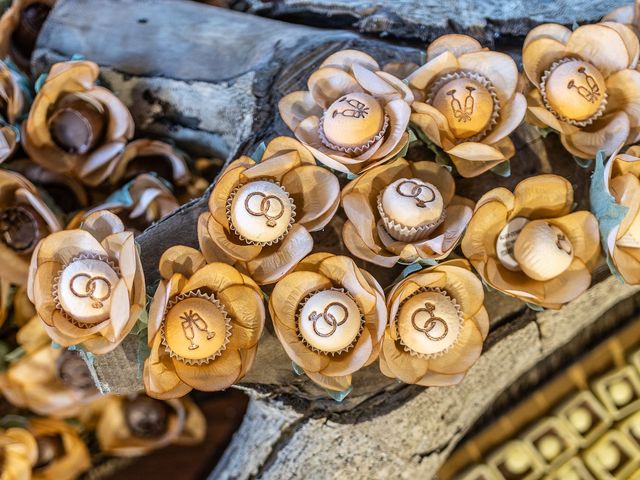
423,76
630,40
209,249
219,374
297,351
432,379
436,175
464,353
432,123
481,320
623,90
360,213
511,116
372,83
555,31
314,191
275,261
476,152
343,271
542,196
400,87
539,55
359,248
66,245
627,264
226,183
215,277
400,363
282,144
601,46
568,285
483,229
246,308
353,360
547,118
345,59
336,384
399,113
328,84
159,376
101,224
581,228
513,283
464,287
297,106
226,245
497,67
180,259
626,191
454,43
608,133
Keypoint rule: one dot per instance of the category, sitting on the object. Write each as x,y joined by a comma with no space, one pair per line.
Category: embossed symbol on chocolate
357,110
563,243
429,323
190,322
329,318
269,207
19,229
96,288
460,113
422,193
591,91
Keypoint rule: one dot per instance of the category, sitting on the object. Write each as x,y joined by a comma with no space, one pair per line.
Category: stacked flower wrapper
73,287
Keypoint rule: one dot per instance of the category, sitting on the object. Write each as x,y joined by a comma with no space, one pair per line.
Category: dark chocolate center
26,33
19,228
146,417
50,448
76,127
73,371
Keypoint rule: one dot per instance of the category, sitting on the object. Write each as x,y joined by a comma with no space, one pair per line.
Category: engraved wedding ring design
423,194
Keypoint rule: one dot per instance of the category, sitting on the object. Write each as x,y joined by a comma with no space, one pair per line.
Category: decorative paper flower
260,214
529,245
75,127
403,211
48,381
152,156
625,15
143,201
24,219
437,325
87,284
205,321
12,106
329,316
585,85
62,455
129,427
623,244
467,103
354,115
19,28
19,453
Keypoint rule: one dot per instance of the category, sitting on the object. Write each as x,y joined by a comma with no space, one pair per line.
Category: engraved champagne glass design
329,318
591,92
412,189
270,207
430,323
91,288
190,322
462,114
563,243
358,110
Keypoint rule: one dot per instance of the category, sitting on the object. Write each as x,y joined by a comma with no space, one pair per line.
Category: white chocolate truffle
550,447
608,455
429,323
85,289
542,250
621,392
506,241
467,105
575,90
261,212
196,328
581,419
412,202
330,321
353,120
517,459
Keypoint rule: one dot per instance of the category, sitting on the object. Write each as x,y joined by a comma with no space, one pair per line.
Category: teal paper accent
297,369
503,169
13,421
609,213
55,345
545,131
351,176
39,82
257,154
122,196
535,308
583,163
339,396
77,56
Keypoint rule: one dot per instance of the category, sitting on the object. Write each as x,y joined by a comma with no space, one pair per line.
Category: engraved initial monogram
430,323
462,114
411,189
190,322
270,207
90,288
357,110
590,92
329,318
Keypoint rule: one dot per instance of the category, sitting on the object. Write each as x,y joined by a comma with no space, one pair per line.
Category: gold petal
296,350
373,83
630,40
399,113
314,191
227,181
623,90
353,360
463,286
454,43
345,59
343,271
401,364
101,224
542,196
215,277
359,248
246,308
479,241
539,55
567,286
223,244
608,133
297,106
555,31
337,384
180,259
601,46
160,378
328,84
497,67
275,261
627,264
432,379
464,353
511,116
423,76
481,319
219,374
282,144
438,176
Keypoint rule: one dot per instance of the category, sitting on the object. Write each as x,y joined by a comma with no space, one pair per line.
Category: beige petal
567,286
497,67
282,144
215,277
66,245
373,83
547,118
479,241
555,31
454,43
275,261
399,113
481,320
608,133
432,379
516,284
246,308
423,76
477,152
630,40
627,264
297,351
623,14
436,175
623,90
601,46
511,116
314,191
464,353
345,59
581,228
180,259
328,84
101,224
343,271
219,374
353,360
464,287
432,123
542,196
359,248
401,364
336,384
160,378
297,106
226,183
226,245
539,55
